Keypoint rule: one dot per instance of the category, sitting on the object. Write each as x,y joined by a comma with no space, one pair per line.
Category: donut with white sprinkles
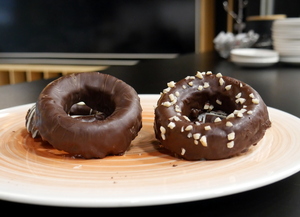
210,116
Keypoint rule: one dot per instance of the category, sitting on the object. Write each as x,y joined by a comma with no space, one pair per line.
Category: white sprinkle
240,114
191,83
177,93
182,129
228,87
196,136
229,124
238,95
221,81
172,97
196,142
207,128
188,128
166,104
206,85
219,75
217,120
206,106
255,101
167,90
203,141
208,72
183,86
249,112
171,84
241,85
239,111
211,107
230,144
200,87
186,118
230,116
231,136
219,102
189,77
171,118
182,151
251,95
162,130
240,100
174,118
177,108
199,75
171,125
243,110
189,135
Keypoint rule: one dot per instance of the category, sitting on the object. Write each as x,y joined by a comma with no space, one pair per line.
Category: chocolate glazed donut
209,116
114,121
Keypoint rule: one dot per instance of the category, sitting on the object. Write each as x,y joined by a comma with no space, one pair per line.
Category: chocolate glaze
242,117
115,121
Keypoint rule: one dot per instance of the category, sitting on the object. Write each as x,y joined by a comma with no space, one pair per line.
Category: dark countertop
279,87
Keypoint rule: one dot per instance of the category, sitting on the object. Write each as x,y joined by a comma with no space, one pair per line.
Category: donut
113,120
209,117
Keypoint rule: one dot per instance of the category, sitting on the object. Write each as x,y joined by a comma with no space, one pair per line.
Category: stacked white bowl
286,39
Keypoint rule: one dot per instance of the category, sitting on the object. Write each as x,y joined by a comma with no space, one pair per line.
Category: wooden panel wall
13,73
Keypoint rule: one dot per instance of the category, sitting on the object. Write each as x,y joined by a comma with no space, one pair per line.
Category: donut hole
205,108
89,110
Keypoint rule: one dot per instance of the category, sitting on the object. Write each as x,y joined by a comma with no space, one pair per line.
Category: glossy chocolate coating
95,136
189,138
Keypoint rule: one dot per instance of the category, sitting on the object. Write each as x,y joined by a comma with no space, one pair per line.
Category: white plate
253,53
253,64
265,60
292,21
32,172
295,60
286,52
251,57
289,23
285,34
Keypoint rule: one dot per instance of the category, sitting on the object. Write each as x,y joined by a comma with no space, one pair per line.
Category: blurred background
93,35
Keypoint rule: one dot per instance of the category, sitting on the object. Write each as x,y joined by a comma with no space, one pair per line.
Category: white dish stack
286,39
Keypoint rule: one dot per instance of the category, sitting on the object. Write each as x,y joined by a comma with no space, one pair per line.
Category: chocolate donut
209,116
113,122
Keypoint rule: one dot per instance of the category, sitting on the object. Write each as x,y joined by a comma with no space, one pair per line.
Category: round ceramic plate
254,62
251,57
253,53
33,172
